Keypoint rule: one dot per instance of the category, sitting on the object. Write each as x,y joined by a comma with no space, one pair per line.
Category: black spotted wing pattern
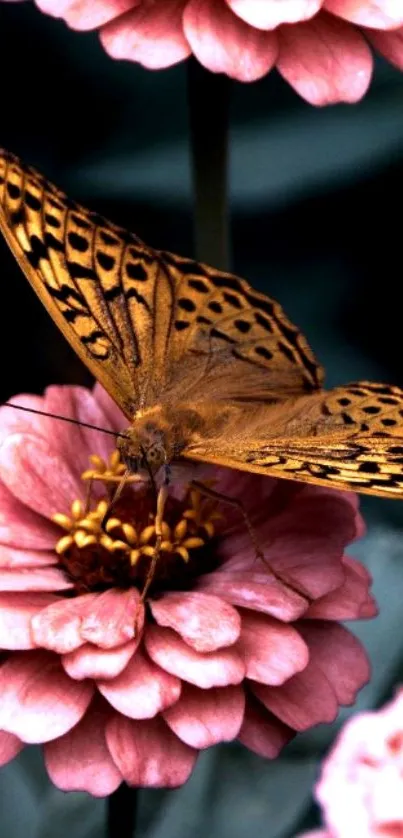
147,324
348,438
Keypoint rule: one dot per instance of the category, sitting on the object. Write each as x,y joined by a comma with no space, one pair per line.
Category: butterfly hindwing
348,438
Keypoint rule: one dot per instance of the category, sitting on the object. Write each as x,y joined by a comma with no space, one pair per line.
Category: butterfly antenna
62,418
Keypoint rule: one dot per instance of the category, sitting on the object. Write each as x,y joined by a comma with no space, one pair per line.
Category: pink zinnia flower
360,788
321,47
224,648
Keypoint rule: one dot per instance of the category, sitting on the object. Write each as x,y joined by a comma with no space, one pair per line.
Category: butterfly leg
235,502
116,495
88,495
159,517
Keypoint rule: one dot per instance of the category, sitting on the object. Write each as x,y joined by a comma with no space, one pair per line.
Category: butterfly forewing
139,318
155,329
239,341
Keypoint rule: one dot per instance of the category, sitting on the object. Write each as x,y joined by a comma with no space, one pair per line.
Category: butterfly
204,368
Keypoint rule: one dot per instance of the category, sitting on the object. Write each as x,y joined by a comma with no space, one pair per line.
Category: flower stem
208,96
122,809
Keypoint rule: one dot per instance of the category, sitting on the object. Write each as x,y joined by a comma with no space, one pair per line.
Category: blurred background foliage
317,223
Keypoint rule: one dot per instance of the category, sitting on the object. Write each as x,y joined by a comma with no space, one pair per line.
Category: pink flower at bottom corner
360,788
226,646
322,48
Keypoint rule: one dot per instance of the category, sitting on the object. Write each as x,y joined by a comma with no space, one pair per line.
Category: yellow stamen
89,524
147,534
208,526
122,544
114,460
62,520
134,557
130,533
193,543
166,530
102,509
64,544
106,541
180,529
77,509
87,541
80,538
183,553
166,546
97,462
113,524
119,545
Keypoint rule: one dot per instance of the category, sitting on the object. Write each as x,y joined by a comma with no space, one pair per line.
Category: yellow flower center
107,545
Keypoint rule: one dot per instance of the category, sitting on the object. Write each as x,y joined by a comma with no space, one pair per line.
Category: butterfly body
205,368
160,434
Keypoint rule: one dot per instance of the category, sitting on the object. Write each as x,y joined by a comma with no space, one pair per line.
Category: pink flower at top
226,646
360,788
321,47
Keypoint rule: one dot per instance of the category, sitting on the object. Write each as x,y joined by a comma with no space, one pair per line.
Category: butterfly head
145,445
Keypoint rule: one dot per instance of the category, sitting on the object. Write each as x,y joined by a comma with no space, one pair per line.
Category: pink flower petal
142,690
205,622
212,669
10,746
272,651
86,14
325,60
360,787
307,538
116,419
261,732
114,618
302,547
389,44
225,44
379,14
270,13
305,700
58,627
148,754
106,620
38,701
23,528
80,760
33,579
151,34
349,601
339,655
260,591
16,612
72,442
18,422
202,718
37,477
91,662
10,557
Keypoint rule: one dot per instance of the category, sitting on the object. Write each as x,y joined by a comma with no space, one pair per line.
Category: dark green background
316,199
